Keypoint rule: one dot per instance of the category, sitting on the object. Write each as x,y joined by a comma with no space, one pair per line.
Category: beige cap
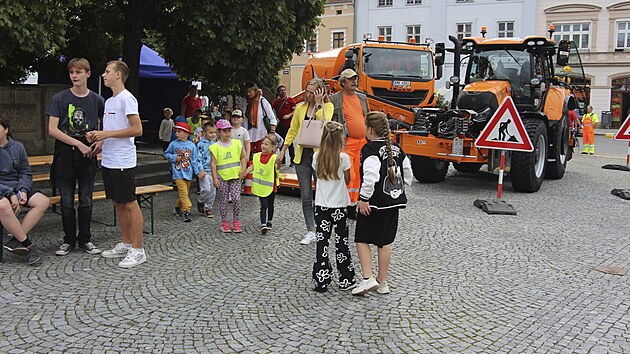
348,74
237,113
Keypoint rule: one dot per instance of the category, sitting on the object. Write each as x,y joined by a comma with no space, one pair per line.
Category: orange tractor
545,81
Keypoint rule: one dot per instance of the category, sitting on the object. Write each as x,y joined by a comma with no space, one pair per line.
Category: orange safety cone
247,188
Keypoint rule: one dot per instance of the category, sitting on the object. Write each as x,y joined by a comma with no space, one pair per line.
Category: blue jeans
305,173
84,174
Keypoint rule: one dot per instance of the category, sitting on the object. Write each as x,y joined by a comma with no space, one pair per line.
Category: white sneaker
365,286
134,257
308,238
383,288
119,251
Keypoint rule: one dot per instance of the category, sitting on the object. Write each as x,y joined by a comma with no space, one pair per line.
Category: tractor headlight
483,116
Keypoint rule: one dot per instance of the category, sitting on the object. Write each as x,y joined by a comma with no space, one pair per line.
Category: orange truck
397,77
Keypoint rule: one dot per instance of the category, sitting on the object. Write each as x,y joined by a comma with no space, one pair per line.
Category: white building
601,30
398,20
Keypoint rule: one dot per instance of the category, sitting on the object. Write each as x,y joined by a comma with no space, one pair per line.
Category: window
413,32
623,35
311,43
577,32
414,2
382,3
385,32
505,29
338,39
464,30
339,12
462,1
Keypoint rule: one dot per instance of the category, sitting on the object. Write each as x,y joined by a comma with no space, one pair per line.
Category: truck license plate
458,147
401,83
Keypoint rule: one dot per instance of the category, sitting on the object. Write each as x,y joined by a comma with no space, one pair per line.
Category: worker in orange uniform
589,123
351,107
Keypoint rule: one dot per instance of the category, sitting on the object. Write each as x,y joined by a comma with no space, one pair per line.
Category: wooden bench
41,178
144,194
44,160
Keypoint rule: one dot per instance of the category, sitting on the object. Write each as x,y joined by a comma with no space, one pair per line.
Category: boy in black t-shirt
71,114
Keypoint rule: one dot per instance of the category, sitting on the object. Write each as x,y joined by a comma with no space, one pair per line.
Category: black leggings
266,208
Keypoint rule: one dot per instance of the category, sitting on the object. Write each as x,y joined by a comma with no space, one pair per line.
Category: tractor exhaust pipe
457,48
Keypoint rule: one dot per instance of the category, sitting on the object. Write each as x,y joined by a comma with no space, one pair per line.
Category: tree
225,43
30,31
231,42
93,33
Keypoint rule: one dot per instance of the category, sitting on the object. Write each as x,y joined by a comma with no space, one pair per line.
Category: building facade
399,20
335,30
601,30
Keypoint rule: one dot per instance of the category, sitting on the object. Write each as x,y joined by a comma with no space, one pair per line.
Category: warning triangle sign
505,130
624,132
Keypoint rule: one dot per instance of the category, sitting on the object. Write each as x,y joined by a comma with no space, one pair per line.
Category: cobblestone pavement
461,281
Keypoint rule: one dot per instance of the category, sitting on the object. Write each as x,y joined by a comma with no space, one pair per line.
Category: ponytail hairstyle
328,159
379,123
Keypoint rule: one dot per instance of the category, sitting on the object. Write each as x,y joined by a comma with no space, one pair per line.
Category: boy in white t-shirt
121,123
240,133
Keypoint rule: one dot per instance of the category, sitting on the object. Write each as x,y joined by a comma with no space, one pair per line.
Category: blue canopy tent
152,66
159,88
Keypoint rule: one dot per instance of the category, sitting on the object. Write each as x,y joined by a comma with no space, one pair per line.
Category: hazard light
412,40
367,36
381,38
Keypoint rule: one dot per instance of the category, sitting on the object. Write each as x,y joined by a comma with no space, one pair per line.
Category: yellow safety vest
263,176
228,159
192,125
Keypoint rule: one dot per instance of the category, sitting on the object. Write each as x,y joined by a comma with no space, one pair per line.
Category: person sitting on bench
15,191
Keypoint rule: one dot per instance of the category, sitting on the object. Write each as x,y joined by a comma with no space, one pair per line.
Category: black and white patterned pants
328,220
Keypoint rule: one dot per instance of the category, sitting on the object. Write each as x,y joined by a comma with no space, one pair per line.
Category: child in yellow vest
265,179
228,169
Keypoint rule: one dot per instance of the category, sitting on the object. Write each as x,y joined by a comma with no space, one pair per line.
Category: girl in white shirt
331,201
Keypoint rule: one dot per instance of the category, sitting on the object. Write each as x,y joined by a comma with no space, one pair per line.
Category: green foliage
229,43
441,101
30,30
93,33
224,43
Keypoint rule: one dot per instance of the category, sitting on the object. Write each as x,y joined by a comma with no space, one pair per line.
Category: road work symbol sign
505,130
624,131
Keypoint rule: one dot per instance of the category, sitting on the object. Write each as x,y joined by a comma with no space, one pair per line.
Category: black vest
386,194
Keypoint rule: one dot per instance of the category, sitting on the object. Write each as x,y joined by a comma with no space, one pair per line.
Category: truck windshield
500,64
398,63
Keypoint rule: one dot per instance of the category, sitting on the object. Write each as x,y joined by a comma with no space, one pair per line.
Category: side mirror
440,49
447,85
349,54
438,72
564,50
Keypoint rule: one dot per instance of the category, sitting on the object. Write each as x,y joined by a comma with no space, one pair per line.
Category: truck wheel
428,170
528,168
558,150
467,167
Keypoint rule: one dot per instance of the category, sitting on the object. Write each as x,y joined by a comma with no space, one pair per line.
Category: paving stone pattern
461,280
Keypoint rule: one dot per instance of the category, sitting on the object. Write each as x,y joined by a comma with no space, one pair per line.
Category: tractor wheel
558,150
428,170
467,167
528,168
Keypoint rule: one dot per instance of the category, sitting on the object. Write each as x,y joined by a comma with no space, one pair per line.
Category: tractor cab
501,67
